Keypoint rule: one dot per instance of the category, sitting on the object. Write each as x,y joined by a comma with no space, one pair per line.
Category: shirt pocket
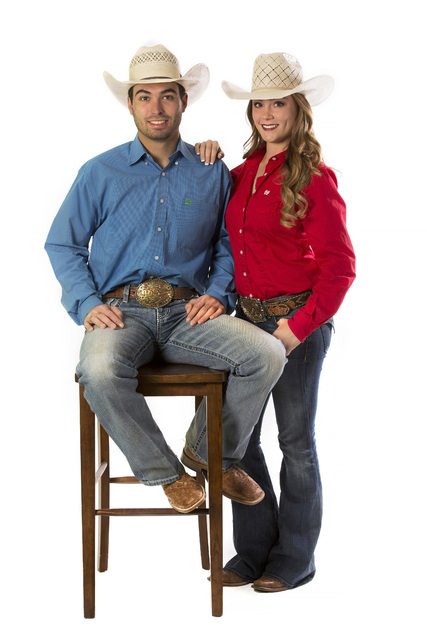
269,225
196,222
268,221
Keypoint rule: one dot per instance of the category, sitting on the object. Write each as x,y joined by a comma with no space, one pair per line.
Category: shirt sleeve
325,226
67,246
220,283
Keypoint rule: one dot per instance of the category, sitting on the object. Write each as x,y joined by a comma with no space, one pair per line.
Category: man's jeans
279,540
109,360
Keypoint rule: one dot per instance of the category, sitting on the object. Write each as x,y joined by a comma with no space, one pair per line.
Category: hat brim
194,82
316,90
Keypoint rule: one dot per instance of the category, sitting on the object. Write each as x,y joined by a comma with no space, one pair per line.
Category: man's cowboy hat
154,65
278,75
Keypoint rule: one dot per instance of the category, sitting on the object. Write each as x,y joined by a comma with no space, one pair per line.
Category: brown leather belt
154,293
260,310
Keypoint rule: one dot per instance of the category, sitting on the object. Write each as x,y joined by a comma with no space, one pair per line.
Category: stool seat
157,378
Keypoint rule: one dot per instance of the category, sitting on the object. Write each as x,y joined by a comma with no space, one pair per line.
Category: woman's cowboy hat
277,75
156,64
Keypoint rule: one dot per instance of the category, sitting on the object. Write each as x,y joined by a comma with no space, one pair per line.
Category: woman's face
274,120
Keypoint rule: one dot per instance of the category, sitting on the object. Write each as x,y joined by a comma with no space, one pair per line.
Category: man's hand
104,316
208,151
203,308
284,333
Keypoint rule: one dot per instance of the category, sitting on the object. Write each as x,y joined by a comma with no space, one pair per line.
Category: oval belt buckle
154,293
253,308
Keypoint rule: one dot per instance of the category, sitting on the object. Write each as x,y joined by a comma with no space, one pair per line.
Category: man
158,279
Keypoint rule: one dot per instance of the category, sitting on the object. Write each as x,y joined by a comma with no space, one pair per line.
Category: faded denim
109,360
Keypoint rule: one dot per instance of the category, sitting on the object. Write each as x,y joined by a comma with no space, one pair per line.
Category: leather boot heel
190,461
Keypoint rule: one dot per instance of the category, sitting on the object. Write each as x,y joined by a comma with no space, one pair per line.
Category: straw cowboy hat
278,75
154,65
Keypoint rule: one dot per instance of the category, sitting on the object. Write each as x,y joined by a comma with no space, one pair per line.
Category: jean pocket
326,331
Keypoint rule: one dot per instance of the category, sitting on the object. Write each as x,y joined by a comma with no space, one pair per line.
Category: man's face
157,110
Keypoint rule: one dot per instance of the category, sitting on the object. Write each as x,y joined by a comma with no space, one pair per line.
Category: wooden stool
154,379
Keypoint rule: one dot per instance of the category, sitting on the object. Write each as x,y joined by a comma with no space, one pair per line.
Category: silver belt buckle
253,309
154,292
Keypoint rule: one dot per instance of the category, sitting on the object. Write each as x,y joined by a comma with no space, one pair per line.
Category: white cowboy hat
156,64
278,75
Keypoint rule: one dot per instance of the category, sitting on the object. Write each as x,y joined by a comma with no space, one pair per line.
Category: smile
269,127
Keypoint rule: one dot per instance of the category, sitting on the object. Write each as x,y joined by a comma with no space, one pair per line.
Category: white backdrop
57,113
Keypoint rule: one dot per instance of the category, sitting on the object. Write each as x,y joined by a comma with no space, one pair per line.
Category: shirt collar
259,153
138,151
186,151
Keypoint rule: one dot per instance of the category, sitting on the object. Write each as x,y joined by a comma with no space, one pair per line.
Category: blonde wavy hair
302,159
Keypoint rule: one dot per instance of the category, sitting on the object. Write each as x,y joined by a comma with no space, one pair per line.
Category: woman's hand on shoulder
209,151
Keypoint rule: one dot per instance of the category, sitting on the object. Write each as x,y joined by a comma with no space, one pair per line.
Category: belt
260,310
154,292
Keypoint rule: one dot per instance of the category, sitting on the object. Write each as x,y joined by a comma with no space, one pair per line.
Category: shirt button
156,257
274,158
240,230
244,273
161,201
176,162
159,228
163,173
241,253
250,295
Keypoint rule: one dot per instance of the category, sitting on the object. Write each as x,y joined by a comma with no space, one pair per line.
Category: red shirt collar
258,154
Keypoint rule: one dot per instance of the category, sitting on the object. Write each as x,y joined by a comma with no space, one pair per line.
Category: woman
294,263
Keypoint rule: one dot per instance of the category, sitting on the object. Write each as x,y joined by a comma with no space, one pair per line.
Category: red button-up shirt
272,261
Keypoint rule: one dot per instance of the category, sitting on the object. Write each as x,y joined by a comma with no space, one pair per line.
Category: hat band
160,78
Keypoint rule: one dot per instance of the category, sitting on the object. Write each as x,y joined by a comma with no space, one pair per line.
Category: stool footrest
148,512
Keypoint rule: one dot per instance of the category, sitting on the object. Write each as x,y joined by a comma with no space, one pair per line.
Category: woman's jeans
279,540
109,362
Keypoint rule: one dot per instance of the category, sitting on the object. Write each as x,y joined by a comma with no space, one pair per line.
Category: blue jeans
109,360
278,540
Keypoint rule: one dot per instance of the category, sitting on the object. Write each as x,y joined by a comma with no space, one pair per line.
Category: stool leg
214,435
203,528
87,457
104,498
203,524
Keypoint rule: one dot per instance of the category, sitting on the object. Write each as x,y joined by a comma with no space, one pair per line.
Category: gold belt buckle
253,309
154,292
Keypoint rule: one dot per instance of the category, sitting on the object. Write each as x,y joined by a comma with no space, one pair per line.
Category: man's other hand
203,308
104,316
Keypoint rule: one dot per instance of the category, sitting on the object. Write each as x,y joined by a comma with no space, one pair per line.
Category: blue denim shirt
126,219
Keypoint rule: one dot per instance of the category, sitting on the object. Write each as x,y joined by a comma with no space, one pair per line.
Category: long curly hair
303,156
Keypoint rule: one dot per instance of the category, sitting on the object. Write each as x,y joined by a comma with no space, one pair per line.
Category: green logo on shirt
187,200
